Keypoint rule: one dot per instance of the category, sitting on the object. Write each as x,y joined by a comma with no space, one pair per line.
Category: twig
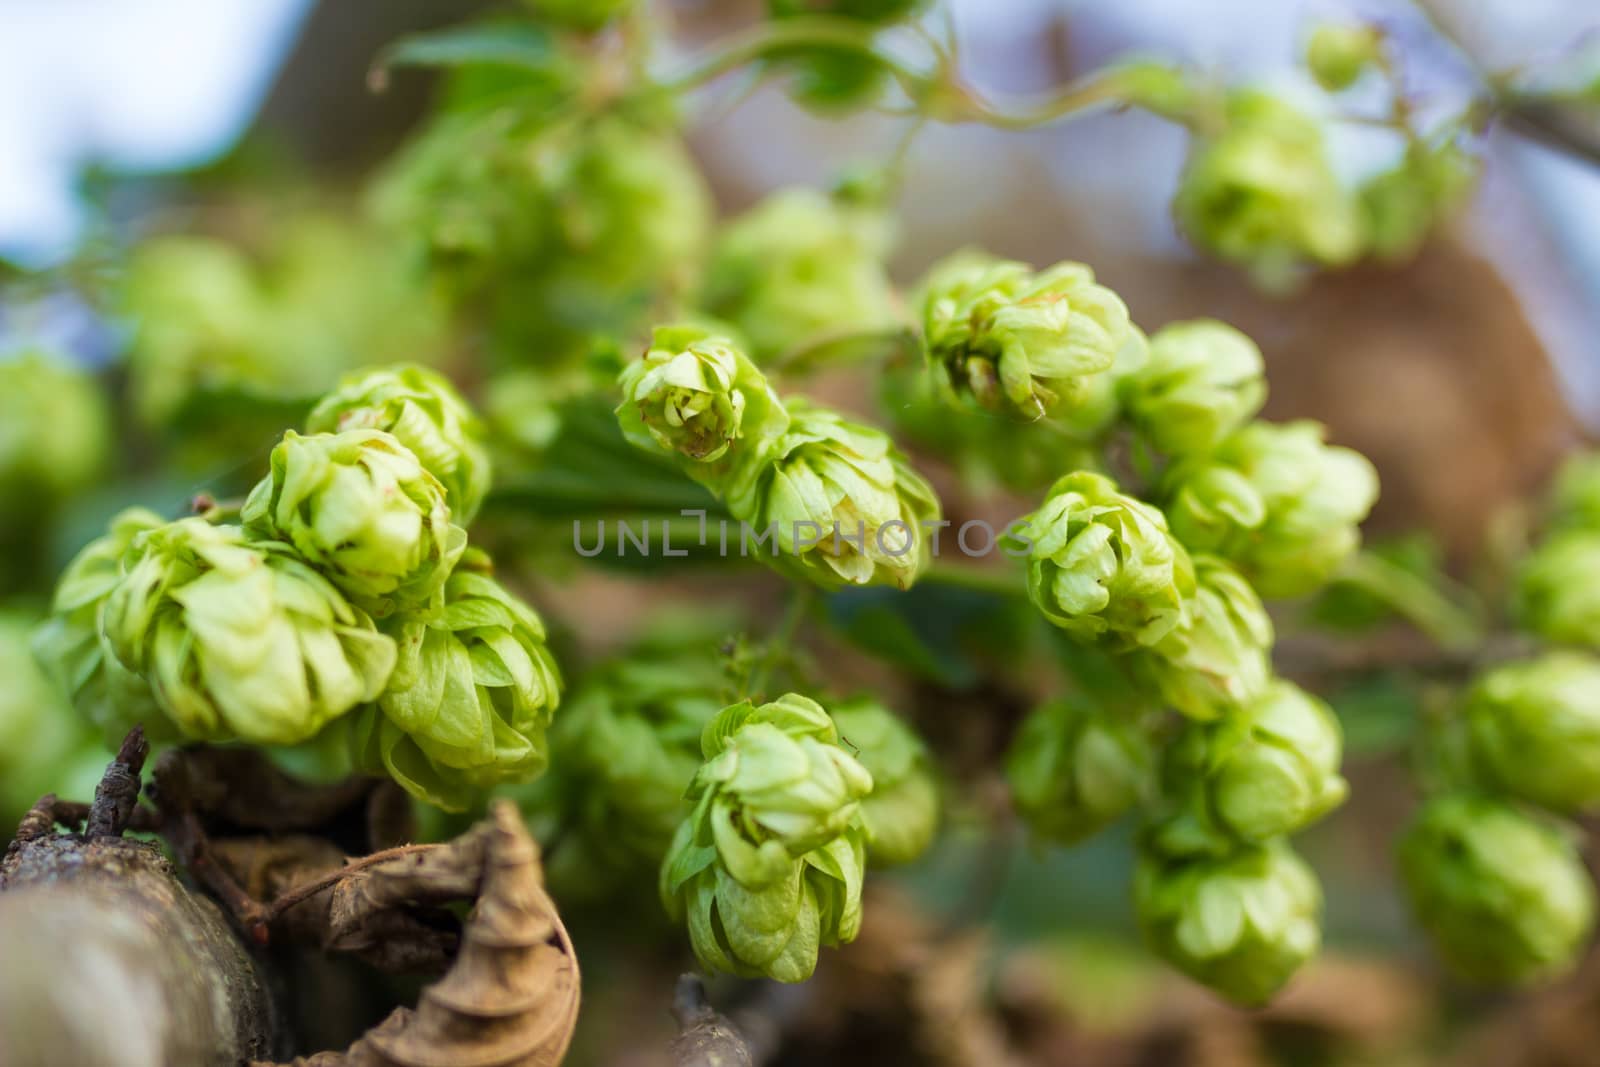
300,893
118,792
706,1038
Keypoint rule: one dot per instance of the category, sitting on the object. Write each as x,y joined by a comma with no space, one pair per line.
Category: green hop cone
1025,457
1504,896
1339,53
1277,502
71,644
54,434
1102,566
423,411
360,506
1403,204
697,395
470,699
1240,924
1575,497
987,453
1261,193
227,339
1558,588
241,639
902,811
1074,770
768,867
842,503
559,228
1023,343
1222,658
800,266
623,752
1534,727
1262,771
1099,410
1202,380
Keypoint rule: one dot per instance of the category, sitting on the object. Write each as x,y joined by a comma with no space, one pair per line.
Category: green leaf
942,633
1379,714
501,44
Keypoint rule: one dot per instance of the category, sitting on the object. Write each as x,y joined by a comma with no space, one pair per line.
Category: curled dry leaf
509,999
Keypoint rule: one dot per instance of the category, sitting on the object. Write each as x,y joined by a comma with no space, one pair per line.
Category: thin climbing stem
1447,618
934,87
781,638
775,36
977,579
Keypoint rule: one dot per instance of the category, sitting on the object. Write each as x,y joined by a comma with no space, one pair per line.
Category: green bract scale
768,867
1222,658
361,507
1074,770
71,644
1504,896
1535,729
54,433
844,505
1241,924
1277,502
1259,772
1202,380
1024,343
902,811
1558,588
470,700
800,266
1102,566
423,411
696,395
241,639
1261,193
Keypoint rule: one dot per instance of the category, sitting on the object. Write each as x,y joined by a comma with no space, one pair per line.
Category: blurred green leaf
1379,714
948,635
590,470
502,44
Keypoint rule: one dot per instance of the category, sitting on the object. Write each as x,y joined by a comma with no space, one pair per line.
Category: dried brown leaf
510,997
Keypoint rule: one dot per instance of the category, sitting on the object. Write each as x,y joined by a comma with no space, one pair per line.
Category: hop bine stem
937,93
1005,584
777,645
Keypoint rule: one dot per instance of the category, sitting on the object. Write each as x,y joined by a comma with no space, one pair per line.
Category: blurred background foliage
188,266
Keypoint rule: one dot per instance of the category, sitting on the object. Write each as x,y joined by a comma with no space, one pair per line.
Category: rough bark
109,961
